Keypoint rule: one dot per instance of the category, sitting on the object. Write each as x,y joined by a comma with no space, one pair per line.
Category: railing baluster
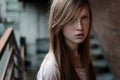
6,65
8,38
11,71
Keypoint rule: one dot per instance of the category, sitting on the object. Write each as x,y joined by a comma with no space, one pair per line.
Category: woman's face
76,30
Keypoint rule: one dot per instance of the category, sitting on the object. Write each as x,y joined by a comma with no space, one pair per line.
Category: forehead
82,11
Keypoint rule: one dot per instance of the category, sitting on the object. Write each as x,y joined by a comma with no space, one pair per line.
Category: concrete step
106,76
100,63
94,41
96,52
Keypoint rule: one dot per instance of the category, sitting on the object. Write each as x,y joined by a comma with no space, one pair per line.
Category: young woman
68,57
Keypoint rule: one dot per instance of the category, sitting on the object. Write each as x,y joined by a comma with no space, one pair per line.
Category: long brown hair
62,12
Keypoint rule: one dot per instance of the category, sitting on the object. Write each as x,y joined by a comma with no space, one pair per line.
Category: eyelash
84,17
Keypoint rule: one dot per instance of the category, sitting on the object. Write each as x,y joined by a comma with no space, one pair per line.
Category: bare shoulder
48,69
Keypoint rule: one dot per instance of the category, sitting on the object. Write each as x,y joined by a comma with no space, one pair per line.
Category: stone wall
106,24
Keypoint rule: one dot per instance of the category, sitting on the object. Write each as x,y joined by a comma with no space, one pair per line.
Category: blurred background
29,20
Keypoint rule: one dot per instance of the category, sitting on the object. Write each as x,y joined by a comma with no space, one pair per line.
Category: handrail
8,38
4,40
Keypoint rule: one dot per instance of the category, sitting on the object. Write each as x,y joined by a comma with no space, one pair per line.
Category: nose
78,25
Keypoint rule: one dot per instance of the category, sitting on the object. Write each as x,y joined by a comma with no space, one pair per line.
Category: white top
50,71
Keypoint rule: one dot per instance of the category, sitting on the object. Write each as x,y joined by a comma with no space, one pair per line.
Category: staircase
100,64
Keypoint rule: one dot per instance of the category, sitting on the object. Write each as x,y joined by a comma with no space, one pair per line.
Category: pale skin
75,33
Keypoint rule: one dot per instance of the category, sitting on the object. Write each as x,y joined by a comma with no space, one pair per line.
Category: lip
80,35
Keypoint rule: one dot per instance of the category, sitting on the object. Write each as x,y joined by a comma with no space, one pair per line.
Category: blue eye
85,17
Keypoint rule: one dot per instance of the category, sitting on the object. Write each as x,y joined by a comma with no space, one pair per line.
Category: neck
72,48
75,56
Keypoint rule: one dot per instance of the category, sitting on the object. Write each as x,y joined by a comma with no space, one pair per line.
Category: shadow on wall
106,21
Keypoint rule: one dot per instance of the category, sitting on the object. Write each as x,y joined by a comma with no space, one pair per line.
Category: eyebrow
86,13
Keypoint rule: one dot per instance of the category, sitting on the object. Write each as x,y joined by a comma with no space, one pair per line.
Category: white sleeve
48,71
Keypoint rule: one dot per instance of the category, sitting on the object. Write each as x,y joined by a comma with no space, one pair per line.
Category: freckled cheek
67,32
86,28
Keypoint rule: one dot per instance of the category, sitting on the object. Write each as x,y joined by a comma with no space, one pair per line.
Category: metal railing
12,66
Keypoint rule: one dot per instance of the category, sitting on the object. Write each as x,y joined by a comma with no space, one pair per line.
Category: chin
79,41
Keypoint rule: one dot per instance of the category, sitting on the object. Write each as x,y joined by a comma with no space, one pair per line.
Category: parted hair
62,12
